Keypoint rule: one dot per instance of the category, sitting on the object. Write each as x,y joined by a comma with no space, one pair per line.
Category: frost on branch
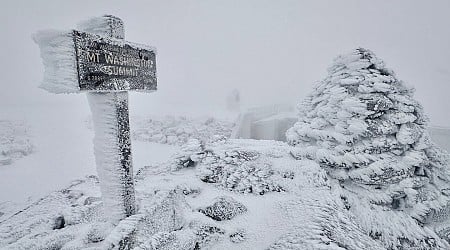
364,127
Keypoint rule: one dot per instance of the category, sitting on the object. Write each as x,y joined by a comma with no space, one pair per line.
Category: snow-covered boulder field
177,130
274,201
15,141
225,194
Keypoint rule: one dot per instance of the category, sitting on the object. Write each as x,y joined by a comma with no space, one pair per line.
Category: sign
97,60
106,64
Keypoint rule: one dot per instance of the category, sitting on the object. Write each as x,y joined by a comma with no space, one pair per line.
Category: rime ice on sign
97,60
108,64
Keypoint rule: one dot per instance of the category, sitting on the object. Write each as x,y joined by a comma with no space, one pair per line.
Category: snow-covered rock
224,208
240,169
363,126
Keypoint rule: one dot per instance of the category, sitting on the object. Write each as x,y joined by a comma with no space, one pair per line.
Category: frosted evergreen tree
365,128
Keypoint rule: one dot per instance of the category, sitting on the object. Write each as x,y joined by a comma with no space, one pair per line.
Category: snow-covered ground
61,149
272,201
287,187
249,228
54,155
58,152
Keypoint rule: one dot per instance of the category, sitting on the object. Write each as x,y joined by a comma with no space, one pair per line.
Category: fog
271,51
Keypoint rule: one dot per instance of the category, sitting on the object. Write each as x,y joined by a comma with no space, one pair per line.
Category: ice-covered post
95,59
112,145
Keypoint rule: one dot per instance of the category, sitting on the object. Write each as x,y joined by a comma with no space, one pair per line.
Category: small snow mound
238,236
240,169
223,208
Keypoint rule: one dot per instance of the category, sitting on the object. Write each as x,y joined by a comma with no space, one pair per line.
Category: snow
62,152
219,193
106,26
307,213
15,141
262,227
58,55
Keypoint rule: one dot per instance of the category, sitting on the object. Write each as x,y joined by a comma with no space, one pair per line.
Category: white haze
271,51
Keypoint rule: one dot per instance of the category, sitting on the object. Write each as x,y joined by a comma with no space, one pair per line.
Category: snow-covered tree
365,128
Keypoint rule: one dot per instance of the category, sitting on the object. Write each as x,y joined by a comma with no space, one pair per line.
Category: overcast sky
271,51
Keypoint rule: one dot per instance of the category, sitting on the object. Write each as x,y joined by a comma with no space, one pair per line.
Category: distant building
265,123
272,122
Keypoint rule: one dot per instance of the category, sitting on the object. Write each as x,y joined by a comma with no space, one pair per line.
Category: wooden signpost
95,59
108,65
